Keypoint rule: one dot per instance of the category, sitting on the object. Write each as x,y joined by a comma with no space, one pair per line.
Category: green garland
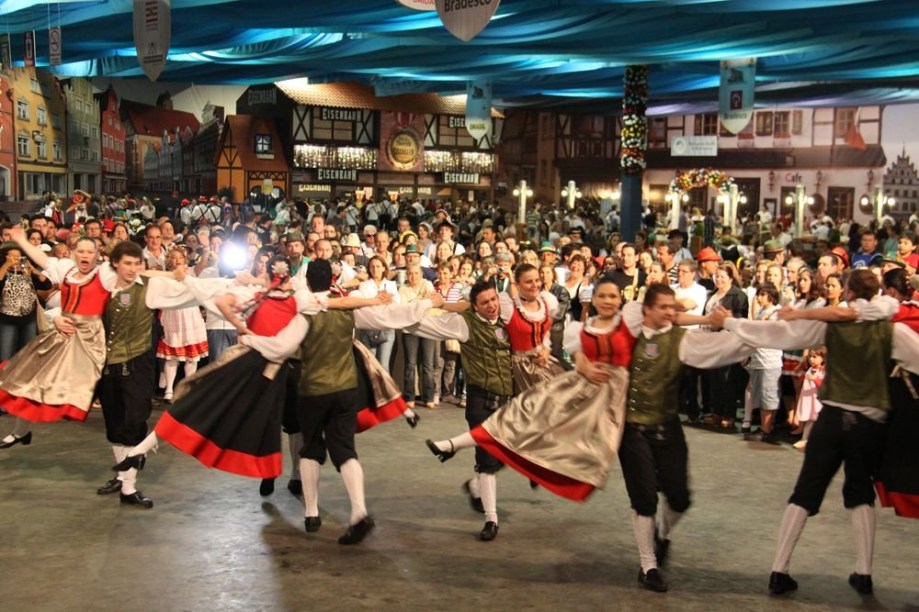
634,122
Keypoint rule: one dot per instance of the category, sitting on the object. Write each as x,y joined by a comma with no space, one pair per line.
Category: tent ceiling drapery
536,52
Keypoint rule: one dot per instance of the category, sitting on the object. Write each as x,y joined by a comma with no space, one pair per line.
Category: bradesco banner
735,97
478,109
466,18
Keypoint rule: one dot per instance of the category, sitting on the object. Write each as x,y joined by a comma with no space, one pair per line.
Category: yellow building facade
41,134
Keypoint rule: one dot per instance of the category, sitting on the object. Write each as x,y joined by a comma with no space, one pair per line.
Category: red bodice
614,348
908,314
87,298
272,315
524,334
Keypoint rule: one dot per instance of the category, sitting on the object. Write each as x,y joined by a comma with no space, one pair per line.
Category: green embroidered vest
128,324
654,379
328,363
487,356
858,364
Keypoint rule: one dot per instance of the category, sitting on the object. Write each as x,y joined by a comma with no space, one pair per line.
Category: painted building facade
145,127
8,180
113,143
41,136
84,161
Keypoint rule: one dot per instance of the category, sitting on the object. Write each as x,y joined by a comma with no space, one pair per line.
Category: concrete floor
211,543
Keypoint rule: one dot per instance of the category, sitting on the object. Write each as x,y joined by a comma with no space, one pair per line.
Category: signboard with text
694,146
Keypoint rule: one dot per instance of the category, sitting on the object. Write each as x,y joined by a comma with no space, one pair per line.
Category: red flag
854,138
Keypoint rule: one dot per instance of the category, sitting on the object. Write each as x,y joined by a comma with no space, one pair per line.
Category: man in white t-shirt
690,298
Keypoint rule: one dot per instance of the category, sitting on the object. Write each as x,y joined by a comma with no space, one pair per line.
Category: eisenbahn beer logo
404,148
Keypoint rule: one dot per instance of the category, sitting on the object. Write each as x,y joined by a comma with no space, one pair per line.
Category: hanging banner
478,109
6,56
466,18
54,46
28,45
735,96
152,30
418,5
401,144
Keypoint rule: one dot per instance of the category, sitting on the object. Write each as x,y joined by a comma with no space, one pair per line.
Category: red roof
242,130
153,120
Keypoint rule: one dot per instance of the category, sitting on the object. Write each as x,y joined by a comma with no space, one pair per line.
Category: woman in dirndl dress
528,316
184,335
228,414
54,376
564,433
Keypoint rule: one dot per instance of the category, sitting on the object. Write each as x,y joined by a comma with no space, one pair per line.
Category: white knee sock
147,444
120,453
464,440
309,472
474,489
190,368
352,474
408,413
488,491
170,369
128,478
669,519
863,523
643,526
295,443
789,531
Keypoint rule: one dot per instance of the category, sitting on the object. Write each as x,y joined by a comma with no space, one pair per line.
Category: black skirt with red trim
898,479
229,418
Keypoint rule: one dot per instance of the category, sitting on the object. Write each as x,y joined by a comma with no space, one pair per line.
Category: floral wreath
701,177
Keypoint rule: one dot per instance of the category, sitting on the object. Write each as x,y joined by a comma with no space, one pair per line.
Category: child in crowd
808,404
765,369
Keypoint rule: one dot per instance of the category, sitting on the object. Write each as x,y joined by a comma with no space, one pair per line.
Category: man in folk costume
328,394
851,427
489,384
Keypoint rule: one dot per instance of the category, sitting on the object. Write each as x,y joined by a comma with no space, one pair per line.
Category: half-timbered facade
250,160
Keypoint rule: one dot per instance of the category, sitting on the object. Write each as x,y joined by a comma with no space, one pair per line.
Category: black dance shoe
266,487
312,524
137,499
652,580
413,420
357,532
861,583
112,486
475,502
661,548
780,583
137,462
489,531
442,455
295,487
24,440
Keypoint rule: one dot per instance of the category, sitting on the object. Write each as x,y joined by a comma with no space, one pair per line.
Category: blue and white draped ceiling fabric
532,51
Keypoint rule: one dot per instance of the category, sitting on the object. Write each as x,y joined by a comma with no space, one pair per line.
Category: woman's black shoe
24,440
266,487
413,420
137,462
442,455
357,532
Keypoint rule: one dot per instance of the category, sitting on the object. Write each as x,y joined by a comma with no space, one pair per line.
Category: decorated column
634,142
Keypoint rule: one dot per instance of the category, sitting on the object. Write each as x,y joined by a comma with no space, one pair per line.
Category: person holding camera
18,299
